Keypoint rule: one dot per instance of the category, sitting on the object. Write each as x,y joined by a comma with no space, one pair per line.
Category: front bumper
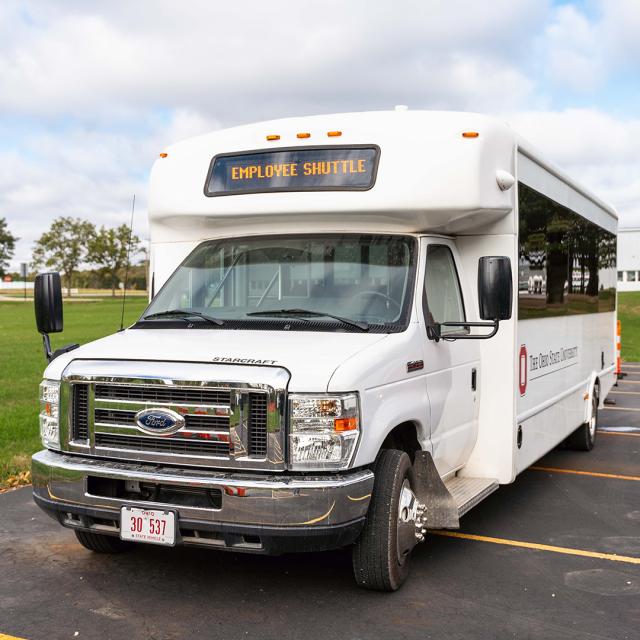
250,512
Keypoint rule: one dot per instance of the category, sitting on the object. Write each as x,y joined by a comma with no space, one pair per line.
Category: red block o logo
522,366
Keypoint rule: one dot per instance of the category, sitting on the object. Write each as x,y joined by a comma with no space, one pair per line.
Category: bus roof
430,177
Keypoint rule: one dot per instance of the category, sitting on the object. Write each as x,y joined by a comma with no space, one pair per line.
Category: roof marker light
273,137
163,155
470,134
303,135
334,134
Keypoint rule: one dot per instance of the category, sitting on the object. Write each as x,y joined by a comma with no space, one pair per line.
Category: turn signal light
273,137
303,135
470,134
163,155
334,134
345,424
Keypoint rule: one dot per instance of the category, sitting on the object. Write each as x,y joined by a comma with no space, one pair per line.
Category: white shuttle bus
360,326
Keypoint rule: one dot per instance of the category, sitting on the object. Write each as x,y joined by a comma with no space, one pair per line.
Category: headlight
49,410
323,431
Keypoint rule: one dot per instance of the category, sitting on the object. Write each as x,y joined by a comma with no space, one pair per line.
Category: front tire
382,553
584,437
100,543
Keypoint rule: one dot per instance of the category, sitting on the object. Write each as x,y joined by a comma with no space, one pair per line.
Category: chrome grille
178,446
80,412
163,394
257,424
226,423
128,418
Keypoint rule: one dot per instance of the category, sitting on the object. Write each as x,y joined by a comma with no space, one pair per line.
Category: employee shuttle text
334,168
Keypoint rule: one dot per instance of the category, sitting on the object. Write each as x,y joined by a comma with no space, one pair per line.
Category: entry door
453,371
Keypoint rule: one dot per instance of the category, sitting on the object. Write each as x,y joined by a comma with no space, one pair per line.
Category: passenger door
452,366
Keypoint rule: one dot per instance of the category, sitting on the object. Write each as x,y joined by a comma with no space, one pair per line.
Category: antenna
126,270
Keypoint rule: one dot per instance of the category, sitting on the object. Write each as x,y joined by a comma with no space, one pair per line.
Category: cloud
228,59
89,94
573,48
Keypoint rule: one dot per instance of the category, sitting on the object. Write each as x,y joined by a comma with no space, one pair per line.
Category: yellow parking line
539,547
595,474
6,637
619,433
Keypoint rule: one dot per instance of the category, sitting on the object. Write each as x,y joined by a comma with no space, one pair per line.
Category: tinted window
566,263
442,288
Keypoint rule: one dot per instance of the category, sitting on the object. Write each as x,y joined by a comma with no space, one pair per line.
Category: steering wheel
384,296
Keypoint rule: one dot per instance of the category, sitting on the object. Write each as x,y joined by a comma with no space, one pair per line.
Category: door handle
474,377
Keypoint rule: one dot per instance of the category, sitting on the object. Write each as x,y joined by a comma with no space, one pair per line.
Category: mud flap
440,508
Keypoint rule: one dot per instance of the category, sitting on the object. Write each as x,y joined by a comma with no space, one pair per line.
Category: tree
108,249
7,246
64,246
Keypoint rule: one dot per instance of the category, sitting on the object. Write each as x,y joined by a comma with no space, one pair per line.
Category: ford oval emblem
159,421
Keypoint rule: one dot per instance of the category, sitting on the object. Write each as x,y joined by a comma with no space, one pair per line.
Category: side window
442,288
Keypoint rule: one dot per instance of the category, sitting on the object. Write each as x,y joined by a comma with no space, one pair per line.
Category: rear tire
100,543
377,562
584,437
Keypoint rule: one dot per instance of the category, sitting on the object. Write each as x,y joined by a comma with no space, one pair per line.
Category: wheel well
403,437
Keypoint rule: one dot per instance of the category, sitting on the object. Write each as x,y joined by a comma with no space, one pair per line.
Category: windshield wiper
363,326
184,314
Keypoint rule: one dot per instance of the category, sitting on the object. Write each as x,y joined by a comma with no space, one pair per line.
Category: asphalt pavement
554,555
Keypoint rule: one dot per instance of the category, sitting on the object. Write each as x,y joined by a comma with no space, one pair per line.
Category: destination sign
299,169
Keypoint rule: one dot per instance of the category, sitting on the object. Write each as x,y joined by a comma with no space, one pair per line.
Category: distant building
629,259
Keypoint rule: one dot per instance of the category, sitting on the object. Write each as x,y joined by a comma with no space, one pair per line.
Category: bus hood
310,357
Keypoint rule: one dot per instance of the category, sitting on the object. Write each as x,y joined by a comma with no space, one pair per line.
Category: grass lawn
629,316
22,363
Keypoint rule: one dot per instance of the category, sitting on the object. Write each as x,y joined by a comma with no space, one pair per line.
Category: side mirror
47,295
495,287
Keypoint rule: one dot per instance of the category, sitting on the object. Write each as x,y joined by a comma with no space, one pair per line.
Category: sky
91,92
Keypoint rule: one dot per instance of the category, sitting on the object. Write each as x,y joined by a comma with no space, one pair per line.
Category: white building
629,259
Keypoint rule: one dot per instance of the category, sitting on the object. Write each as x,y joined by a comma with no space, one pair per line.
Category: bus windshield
347,282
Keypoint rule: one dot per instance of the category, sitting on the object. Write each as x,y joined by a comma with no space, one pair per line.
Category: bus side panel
493,454
557,358
565,306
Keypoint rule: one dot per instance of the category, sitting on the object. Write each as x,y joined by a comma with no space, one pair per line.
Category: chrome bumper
251,506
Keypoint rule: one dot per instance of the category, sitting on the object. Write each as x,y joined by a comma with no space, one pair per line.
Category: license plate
148,525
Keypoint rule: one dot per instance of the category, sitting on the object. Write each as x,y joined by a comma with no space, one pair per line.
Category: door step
468,492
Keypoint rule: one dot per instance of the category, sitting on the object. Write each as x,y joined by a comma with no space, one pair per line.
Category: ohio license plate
148,525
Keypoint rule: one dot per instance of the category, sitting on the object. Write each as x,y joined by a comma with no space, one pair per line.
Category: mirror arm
52,355
433,331
495,325
46,345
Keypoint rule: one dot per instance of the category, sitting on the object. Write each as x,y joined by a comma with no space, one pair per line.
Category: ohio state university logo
522,368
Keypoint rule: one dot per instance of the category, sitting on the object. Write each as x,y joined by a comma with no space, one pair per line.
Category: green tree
7,246
108,249
64,246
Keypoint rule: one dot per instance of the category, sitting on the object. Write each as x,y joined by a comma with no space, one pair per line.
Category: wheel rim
406,523
593,421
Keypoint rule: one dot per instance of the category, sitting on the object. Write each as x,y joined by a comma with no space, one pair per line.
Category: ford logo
159,421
